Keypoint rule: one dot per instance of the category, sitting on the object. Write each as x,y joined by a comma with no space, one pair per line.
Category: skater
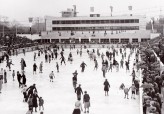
83,66
34,68
56,54
41,67
81,52
78,91
110,66
74,79
57,66
86,101
30,105
70,58
9,63
52,76
19,77
46,57
5,76
35,103
96,64
77,51
13,75
103,69
133,89
121,63
49,58
126,90
31,89
41,102
23,79
106,87
23,64
127,66
78,107
24,94
1,79
34,56
62,60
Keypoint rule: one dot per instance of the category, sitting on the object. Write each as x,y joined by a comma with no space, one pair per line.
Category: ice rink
59,96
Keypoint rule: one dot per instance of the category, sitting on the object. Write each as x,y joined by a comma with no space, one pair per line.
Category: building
95,29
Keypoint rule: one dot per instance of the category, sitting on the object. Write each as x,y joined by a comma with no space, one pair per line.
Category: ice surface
59,96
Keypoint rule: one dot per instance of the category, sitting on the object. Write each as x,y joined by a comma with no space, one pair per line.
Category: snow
59,96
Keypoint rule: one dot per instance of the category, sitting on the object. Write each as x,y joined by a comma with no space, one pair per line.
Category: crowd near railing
153,76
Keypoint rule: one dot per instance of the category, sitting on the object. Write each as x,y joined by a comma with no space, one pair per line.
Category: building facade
96,29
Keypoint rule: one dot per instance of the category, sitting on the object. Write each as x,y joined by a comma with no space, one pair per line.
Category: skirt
76,111
86,104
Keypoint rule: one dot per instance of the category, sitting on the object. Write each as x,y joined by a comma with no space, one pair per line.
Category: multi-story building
95,28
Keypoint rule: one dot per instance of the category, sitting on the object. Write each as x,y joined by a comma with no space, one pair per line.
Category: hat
75,73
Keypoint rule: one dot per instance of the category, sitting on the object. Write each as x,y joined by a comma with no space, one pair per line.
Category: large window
125,40
95,21
105,41
144,39
84,41
97,28
114,41
135,40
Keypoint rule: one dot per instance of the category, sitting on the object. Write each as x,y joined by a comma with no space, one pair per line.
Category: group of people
31,95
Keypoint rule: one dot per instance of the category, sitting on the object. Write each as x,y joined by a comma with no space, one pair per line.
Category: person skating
31,89
41,67
110,66
41,103
127,66
106,87
121,63
86,101
34,56
57,66
46,57
62,60
23,79
35,101
133,89
81,52
30,105
96,64
52,76
74,79
1,79
13,75
23,64
83,66
56,54
24,93
79,91
49,58
34,68
5,76
78,107
103,68
19,77
9,63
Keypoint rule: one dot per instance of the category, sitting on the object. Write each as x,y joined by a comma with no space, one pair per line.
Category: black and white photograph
81,56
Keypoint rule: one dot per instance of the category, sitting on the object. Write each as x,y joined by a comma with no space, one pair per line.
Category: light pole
111,9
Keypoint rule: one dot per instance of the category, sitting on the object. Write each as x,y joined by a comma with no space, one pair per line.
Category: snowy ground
59,96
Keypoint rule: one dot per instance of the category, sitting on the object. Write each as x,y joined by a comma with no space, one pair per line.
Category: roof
96,18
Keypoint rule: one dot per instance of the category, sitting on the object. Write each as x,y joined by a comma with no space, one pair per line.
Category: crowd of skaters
31,94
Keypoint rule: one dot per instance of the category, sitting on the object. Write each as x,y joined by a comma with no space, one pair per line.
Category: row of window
113,41
96,28
95,21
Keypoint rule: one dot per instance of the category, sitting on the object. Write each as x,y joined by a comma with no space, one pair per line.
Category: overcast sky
20,10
